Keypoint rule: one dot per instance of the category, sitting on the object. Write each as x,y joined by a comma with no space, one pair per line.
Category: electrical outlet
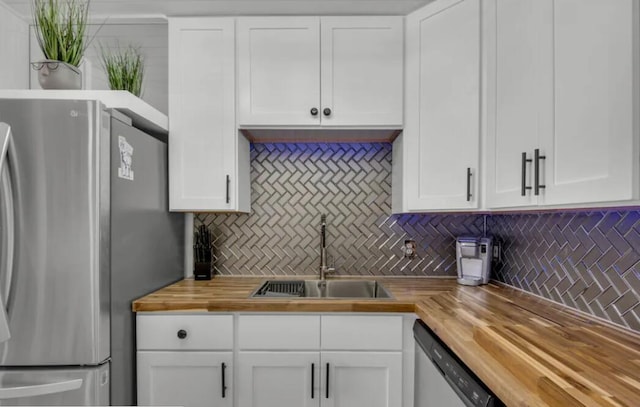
409,249
497,252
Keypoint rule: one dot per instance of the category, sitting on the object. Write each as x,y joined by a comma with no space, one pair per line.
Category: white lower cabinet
275,360
278,379
184,378
334,361
361,379
312,379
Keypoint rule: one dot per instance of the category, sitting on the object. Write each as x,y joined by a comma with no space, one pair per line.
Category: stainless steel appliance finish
441,379
324,269
60,387
83,244
473,258
61,235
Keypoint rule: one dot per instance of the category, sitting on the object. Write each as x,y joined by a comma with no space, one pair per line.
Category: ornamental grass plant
61,27
124,68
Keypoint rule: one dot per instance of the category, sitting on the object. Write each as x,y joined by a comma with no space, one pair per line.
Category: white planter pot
57,75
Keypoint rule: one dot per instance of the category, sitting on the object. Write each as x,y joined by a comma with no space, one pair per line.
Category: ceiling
124,9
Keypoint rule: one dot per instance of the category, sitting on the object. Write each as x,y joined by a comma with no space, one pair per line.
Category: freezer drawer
55,387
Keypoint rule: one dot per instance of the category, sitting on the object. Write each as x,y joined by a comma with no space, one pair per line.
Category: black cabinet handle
326,111
313,373
327,383
536,174
228,182
224,386
524,188
182,334
468,184
314,111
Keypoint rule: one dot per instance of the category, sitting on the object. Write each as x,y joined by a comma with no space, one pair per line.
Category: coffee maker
473,255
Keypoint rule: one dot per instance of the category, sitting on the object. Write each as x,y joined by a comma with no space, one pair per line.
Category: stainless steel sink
345,289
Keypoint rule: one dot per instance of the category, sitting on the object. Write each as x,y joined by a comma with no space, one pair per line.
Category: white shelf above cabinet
143,115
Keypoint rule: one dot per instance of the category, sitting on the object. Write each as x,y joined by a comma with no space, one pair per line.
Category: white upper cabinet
590,141
563,102
362,71
441,140
320,71
516,93
279,70
208,159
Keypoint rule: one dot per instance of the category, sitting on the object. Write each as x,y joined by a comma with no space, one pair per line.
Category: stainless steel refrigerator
84,230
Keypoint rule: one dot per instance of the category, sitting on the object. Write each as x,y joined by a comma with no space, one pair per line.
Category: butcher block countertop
529,351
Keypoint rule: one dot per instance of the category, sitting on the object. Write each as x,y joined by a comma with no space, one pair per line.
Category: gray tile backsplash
293,184
586,260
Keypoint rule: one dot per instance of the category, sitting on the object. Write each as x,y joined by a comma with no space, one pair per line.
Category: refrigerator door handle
5,139
39,389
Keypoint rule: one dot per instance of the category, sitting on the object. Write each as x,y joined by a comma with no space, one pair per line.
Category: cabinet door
203,141
278,379
442,132
362,60
278,70
517,83
588,139
361,379
189,379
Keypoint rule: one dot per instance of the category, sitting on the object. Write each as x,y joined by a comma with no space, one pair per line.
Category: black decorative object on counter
202,253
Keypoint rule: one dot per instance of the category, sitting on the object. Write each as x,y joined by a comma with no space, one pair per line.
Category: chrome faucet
324,270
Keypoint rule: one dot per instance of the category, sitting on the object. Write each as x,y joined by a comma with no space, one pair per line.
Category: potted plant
60,27
124,68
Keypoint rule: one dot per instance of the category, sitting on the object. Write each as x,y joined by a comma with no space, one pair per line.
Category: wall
14,50
293,184
585,260
151,38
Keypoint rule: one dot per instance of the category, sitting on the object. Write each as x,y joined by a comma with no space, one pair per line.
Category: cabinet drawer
203,332
374,332
279,332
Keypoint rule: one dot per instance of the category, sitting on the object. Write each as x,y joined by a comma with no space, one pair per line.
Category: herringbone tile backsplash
293,184
585,260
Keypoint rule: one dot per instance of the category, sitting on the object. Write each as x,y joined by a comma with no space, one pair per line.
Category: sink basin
345,289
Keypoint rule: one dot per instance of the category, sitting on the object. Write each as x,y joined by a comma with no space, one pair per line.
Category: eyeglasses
52,66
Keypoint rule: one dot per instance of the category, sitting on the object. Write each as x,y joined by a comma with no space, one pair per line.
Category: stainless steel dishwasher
441,379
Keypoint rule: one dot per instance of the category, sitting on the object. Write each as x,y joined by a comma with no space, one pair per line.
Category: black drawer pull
327,388
182,334
313,374
223,368
524,186
469,185
536,174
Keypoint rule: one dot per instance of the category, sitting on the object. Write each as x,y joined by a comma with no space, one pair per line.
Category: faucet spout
324,270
